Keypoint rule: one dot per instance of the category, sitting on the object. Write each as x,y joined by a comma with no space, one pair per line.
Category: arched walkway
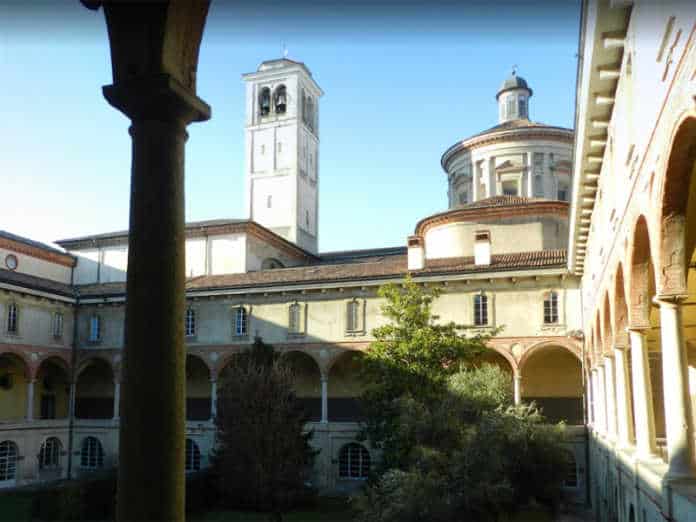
551,377
94,398
198,390
344,387
52,390
14,387
307,381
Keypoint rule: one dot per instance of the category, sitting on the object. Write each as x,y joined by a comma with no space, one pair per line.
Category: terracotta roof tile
36,283
386,267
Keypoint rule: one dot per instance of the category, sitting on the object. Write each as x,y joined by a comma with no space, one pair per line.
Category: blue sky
402,83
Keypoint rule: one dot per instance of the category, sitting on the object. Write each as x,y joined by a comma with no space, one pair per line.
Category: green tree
413,355
263,454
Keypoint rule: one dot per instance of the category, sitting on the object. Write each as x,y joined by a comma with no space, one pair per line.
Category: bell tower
282,150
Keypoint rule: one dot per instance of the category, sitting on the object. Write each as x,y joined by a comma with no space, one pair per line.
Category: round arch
14,377
501,357
94,389
52,389
678,209
558,398
619,309
307,372
607,333
640,274
198,391
344,386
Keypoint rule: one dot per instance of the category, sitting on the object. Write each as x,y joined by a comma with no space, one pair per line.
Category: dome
513,82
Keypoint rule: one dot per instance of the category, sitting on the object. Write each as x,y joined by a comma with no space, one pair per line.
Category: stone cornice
532,208
542,133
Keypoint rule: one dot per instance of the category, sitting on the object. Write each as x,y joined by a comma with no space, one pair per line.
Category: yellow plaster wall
552,372
13,401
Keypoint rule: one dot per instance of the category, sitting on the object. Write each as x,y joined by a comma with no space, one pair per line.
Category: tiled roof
522,123
369,254
36,283
386,267
503,201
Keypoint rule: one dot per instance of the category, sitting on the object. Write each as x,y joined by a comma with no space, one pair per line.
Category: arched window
8,460
294,318
12,318
280,99
265,101
193,456
522,106
49,455
353,462
241,321
91,453
190,322
550,308
481,310
571,478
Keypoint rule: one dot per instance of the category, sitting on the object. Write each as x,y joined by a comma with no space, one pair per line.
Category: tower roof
513,82
279,63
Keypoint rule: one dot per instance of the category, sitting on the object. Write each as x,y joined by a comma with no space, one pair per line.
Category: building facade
632,243
500,261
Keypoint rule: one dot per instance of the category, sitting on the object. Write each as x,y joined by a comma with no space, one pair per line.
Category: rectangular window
12,318
57,325
352,316
190,322
551,308
563,193
510,188
294,318
241,321
95,329
481,310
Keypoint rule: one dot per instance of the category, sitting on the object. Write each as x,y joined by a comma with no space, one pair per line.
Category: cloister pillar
213,398
517,386
117,399
678,419
30,399
324,398
601,400
610,394
154,56
642,394
590,401
624,417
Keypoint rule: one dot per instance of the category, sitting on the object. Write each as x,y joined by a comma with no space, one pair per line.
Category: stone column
213,399
678,418
30,399
117,399
610,394
642,394
517,386
71,400
324,398
624,417
151,444
590,401
601,401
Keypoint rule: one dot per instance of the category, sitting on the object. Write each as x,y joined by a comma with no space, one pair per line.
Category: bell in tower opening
280,99
265,101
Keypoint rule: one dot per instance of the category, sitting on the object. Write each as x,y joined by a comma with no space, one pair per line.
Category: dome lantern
513,98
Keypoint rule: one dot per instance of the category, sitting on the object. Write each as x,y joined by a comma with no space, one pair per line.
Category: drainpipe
73,387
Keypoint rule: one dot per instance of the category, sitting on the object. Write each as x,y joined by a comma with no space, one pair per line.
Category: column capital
638,328
156,97
669,300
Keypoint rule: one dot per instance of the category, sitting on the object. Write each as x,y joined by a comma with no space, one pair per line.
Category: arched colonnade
641,334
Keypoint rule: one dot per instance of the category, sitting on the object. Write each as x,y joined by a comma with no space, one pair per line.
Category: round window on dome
11,261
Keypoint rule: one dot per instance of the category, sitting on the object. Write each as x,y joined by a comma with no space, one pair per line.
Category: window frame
354,316
296,319
91,337
246,315
49,454
8,461
192,456
91,453
58,324
346,456
190,322
12,318
551,308
480,308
